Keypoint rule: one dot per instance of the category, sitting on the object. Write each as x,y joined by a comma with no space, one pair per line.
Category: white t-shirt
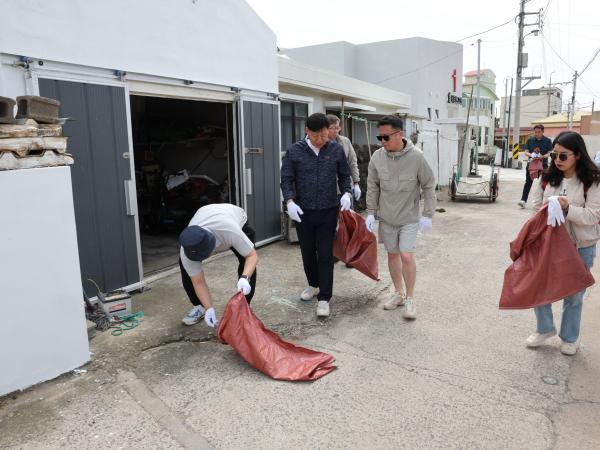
225,222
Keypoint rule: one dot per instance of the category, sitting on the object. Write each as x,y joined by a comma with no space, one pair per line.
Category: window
437,113
293,122
429,113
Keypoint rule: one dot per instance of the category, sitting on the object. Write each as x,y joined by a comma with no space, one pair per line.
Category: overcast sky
571,32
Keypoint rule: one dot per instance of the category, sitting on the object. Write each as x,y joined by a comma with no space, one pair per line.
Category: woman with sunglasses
574,178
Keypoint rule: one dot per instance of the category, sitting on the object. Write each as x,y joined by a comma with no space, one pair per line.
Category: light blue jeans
572,306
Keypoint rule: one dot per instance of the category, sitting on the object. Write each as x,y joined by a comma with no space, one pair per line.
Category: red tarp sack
535,167
546,267
355,245
266,351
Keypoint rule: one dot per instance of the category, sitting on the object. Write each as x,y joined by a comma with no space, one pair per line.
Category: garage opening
183,153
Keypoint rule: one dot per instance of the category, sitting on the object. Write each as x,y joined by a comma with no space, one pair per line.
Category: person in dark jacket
537,147
310,170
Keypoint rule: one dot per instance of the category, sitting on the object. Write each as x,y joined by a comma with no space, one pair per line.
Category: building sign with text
452,97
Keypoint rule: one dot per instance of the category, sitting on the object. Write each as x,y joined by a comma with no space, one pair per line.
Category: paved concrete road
457,377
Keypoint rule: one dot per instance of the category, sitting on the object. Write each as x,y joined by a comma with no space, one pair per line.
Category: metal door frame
37,74
240,99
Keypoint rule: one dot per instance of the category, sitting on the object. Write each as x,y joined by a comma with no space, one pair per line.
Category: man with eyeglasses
398,172
537,147
310,171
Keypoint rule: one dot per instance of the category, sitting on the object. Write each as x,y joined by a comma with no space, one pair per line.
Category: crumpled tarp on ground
266,351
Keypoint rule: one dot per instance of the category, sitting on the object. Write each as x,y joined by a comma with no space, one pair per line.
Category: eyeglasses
386,137
563,156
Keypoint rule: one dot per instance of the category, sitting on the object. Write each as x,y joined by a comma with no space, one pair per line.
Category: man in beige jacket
334,135
398,172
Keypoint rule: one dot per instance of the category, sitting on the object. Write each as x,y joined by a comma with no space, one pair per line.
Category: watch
244,276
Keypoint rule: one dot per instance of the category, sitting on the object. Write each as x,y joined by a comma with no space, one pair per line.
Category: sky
569,39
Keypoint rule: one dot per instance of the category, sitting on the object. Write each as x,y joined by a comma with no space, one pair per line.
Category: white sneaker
537,339
396,299
195,315
521,204
410,308
569,348
309,293
322,308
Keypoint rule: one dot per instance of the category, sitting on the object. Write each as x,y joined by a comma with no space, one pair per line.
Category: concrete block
40,109
7,106
25,146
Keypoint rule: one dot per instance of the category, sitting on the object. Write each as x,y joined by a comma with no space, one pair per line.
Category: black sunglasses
562,156
386,137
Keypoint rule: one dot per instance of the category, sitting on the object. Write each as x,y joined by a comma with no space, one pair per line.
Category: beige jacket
394,185
583,216
350,156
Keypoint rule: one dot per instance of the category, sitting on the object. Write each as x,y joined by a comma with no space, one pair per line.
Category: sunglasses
386,137
562,156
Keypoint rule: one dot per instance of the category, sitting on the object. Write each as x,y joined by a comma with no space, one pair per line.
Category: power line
591,61
447,56
486,31
420,68
555,52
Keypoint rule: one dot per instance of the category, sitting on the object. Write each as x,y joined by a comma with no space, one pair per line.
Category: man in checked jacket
309,172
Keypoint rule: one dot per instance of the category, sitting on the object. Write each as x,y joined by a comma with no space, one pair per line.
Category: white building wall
223,43
401,65
533,107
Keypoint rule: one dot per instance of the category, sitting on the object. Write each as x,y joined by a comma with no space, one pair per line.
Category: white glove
357,192
370,222
244,286
535,155
555,212
346,202
425,224
294,211
210,317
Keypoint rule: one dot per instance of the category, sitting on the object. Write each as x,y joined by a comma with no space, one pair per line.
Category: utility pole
517,125
549,94
476,156
508,153
521,63
572,105
504,141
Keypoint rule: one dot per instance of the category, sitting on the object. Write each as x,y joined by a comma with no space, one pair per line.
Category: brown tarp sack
546,267
355,245
265,350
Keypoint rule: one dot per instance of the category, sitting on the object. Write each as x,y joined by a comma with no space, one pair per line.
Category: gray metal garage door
98,139
262,161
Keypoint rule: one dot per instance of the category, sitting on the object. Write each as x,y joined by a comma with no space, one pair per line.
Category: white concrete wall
592,143
401,65
223,43
448,149
387,63
42,324
533,107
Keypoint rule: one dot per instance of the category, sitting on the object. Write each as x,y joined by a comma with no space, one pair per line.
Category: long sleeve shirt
310,179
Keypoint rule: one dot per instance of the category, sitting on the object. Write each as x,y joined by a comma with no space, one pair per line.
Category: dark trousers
528,183
316,233
187,281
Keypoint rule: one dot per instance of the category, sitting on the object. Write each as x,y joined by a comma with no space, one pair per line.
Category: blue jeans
572,306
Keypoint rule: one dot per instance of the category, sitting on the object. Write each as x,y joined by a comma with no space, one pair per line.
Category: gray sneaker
521,203
195,315
569,348
322,308
410,309
309,293
396,299
537,339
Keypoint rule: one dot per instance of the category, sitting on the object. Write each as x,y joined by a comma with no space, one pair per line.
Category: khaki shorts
399,239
